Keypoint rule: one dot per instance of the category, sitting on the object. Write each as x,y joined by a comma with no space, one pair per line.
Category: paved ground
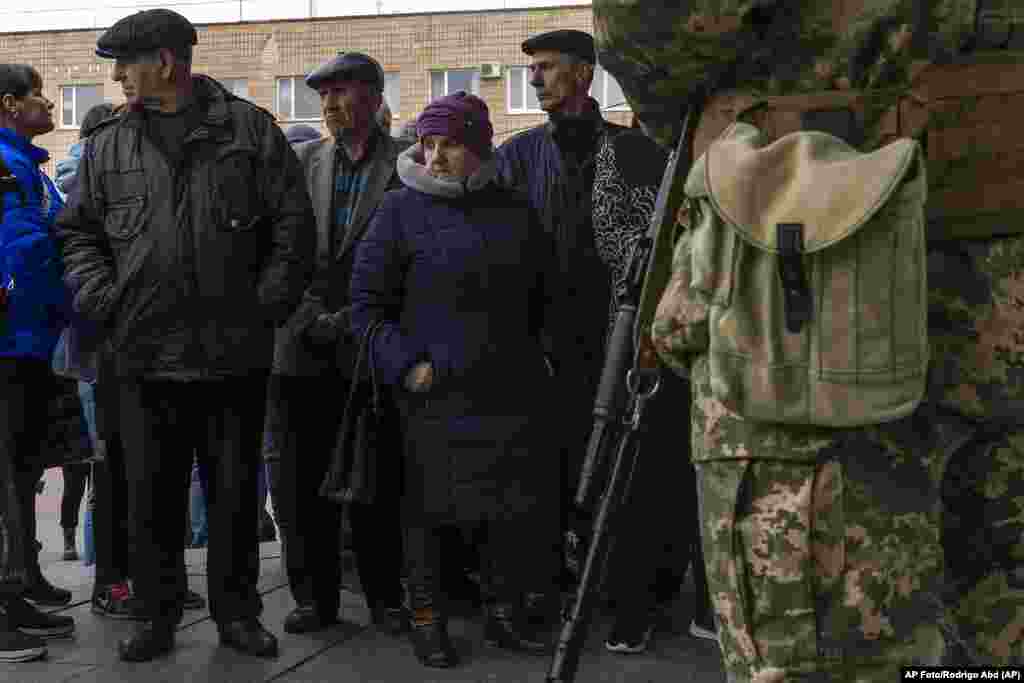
352,652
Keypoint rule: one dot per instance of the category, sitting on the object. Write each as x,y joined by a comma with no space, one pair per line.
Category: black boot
507,627
429,634
153,639
42,592
70,552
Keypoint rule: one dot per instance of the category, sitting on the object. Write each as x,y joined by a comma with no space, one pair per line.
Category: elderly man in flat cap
347,175
554,164
189,241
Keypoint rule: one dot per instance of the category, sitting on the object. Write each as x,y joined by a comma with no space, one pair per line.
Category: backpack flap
810,258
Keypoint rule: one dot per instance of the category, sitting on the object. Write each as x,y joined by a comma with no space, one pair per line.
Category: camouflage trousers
830,565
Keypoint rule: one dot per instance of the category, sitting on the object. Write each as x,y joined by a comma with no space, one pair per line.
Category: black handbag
352,476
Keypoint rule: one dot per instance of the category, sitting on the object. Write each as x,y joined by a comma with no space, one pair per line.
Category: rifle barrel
608,401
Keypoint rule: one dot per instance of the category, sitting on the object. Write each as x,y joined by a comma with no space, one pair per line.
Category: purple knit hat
462,117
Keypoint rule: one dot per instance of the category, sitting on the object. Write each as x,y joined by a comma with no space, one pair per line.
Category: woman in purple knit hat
457,270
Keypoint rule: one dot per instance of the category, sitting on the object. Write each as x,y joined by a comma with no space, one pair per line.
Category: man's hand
420,378
328,328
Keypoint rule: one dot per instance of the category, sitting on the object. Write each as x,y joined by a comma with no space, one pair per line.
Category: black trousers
26,388
163,424
111,515
657,530
309,412
75,478
509,550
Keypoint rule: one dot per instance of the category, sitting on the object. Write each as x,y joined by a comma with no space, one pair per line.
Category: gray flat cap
348,66
144,32
577,43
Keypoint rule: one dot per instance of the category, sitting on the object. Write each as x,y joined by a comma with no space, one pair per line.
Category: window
452,80
606,91
76,101
296,101
522,98
393,92
239,87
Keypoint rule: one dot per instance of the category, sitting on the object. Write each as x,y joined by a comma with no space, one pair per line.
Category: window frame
525,109
244,79
291,114
74,105
474,83
604,86
395,114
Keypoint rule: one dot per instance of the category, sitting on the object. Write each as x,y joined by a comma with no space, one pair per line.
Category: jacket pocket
235,181
125,206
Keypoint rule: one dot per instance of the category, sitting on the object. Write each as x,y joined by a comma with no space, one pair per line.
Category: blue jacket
38,304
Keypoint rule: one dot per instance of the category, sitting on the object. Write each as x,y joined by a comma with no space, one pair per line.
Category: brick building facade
265,61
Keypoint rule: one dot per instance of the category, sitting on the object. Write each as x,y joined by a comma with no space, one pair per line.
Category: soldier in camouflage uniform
842,554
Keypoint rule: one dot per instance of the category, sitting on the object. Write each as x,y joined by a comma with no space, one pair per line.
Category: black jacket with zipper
189,268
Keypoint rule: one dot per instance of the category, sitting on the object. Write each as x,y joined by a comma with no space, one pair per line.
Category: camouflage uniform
825,547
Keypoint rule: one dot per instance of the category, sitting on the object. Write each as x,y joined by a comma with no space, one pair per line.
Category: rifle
623,392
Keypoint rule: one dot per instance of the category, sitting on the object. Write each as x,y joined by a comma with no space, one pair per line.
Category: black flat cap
348,66
576,43
146,31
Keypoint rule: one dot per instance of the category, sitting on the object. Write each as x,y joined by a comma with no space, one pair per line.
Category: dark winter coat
190,269
554,164
462,281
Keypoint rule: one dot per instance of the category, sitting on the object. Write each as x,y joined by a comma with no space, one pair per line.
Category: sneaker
703,631
16,646
26,618
117,602
630,635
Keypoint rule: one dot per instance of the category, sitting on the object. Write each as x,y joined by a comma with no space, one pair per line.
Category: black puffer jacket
191,268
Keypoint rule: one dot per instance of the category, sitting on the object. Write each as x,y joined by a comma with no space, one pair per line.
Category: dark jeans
309,411
164,423
75,478
26,387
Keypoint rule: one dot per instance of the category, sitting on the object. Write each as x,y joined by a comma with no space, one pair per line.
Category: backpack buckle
797,301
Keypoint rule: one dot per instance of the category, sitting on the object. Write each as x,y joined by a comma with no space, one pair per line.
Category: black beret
577,43
348,66
146,31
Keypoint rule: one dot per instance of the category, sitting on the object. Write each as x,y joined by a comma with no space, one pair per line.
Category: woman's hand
420,378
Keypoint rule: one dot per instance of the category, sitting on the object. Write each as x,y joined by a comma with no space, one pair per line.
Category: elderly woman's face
446,158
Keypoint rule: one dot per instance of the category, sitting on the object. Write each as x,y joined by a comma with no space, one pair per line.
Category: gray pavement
352,652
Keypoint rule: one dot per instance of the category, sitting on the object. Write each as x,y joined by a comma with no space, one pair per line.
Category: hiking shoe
194,600
117,602
630,635
16,646
703,631
29,620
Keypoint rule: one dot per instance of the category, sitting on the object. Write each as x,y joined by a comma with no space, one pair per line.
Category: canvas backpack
800,270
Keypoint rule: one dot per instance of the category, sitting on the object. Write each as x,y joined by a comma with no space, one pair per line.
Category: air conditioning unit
490,70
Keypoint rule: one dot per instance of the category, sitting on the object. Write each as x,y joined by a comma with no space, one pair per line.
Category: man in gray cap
554,164
347,175
188,242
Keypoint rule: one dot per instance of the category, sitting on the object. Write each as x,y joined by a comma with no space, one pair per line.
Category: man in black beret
189,242
554,164
347,175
